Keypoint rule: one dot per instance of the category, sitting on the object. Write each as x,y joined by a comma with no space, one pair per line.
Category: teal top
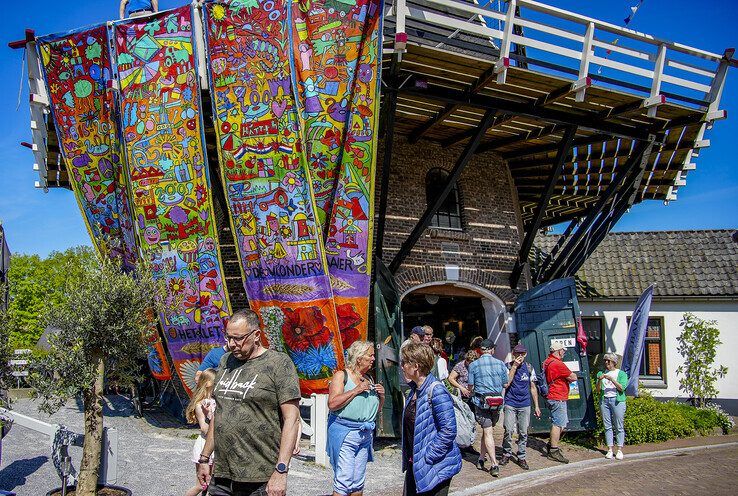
623,381
363,408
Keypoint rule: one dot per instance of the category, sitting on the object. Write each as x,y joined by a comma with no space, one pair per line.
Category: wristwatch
282,468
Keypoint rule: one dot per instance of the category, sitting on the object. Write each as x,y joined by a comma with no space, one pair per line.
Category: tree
35,283
102,316
698,344
6,376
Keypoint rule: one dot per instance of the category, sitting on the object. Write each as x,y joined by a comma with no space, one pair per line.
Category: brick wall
484,250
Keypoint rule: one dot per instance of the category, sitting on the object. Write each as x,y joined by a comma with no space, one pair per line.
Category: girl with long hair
201,409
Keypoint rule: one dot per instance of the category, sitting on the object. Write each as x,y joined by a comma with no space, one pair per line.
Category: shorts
222,486
350,470
559,413
486,417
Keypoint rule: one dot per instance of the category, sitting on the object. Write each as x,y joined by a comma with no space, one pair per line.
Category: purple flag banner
633,352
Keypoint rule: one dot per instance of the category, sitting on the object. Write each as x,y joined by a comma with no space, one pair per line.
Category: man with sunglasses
257,416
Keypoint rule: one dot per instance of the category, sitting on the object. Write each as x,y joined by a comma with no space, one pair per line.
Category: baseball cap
418,330
556,346
487,344
519,348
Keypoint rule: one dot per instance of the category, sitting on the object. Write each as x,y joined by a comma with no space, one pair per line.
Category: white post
584,64
658,73
109,466
400,8
198,35
504,61
320,428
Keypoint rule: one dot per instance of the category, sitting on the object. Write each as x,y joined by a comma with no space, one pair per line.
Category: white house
694,271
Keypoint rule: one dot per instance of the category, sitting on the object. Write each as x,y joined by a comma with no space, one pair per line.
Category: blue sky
39,223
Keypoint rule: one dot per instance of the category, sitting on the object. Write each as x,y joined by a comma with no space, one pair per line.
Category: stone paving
711,471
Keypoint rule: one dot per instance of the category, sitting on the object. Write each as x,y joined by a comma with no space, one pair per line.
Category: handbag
494,402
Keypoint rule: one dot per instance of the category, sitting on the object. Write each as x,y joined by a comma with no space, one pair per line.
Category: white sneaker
619,455
609,455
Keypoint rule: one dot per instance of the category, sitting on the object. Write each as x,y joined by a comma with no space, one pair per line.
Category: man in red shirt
558,377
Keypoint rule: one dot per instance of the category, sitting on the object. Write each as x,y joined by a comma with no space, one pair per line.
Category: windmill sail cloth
336,69
634,343
168,175
268,185
77,72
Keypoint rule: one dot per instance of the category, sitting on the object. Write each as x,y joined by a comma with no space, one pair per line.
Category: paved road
711,471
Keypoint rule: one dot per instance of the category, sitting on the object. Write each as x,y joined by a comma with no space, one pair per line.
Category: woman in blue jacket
430,457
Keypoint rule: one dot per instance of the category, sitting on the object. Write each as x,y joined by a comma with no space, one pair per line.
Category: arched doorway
457,312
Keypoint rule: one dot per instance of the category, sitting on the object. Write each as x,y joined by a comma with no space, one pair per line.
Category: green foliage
648,420
698,344
35,284
6,379
102,314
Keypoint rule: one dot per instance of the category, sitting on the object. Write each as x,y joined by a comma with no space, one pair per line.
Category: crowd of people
247,397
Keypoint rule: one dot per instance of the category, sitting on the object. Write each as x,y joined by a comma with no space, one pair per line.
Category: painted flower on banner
315,362
305,328
348,320
291,181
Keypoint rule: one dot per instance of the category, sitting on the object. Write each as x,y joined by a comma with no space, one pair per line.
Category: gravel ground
154,456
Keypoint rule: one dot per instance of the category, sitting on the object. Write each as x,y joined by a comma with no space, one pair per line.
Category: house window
449,213
652,364
594,329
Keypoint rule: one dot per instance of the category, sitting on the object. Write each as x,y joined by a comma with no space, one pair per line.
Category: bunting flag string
167,169
627,21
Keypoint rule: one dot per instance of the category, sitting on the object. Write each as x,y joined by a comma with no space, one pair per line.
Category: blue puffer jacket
436,457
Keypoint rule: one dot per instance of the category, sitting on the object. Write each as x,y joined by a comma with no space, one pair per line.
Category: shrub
698,344
648,420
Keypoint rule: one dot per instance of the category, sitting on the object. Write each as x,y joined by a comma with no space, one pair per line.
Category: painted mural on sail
336,70
173,213
77,71
268,186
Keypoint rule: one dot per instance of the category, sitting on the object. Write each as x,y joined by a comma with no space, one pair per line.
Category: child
201,409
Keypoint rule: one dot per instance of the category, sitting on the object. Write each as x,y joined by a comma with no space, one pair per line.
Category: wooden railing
562,42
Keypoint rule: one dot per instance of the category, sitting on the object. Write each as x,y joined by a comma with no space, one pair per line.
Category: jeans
441,489
613,414
350,471
221,486
520,417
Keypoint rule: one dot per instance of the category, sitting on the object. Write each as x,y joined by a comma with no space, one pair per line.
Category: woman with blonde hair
201,410
354,400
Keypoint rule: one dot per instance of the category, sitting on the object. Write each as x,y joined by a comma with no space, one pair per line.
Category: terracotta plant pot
102,490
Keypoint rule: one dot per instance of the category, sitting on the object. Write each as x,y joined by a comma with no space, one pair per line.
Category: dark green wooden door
388,339
551,312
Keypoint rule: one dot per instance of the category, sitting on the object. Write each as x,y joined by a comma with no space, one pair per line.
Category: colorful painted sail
168,174
77,71
268,185
76,67
336,70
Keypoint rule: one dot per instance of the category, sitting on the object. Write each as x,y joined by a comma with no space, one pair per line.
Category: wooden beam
432,208
534,150
535,224
391,103
630,173
583,119
482,81
519,138
498,121
564,236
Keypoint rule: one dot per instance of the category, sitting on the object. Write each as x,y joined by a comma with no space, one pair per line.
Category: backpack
542,383
466,426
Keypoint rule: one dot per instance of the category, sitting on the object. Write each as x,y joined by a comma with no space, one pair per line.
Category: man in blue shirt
138,8
211,360
487,378
520,390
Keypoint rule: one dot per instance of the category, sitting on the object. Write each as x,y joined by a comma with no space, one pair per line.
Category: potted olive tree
102,319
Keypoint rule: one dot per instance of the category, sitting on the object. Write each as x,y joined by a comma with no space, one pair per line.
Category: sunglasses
239,339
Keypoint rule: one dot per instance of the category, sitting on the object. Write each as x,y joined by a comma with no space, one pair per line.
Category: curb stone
545,475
